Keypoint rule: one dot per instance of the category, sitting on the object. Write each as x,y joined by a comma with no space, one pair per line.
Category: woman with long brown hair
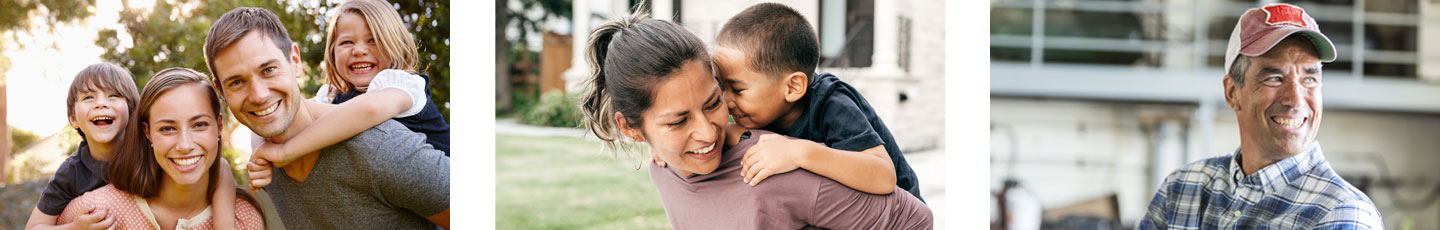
166,166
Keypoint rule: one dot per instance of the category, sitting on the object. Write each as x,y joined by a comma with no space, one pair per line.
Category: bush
555,109
20,138
520,102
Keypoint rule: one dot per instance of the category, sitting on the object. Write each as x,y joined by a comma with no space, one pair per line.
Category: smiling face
1279,103
185,134
685,124
100,114
258,83
357,54
757,100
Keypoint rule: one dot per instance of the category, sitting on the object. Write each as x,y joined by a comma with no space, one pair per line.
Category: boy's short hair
235,24
101,76
777,39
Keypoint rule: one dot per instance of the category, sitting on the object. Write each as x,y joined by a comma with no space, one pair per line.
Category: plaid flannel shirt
1300,192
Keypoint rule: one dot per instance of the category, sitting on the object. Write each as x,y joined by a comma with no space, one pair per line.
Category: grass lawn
569,183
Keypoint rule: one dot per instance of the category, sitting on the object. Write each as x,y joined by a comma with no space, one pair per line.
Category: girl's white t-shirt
412,84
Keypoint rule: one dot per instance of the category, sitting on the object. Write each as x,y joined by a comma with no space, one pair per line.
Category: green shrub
520,102
555,109
20,138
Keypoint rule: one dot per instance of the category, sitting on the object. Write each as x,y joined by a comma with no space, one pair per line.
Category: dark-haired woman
165,169
652,83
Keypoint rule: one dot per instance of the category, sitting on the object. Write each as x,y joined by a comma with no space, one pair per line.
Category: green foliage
20,138
164,36
15,15
522,96
518,16
520,102
237,169
554,109
429,21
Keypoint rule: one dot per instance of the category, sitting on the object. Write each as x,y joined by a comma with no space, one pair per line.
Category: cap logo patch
1278,14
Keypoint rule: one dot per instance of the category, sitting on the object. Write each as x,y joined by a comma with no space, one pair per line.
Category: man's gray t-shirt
387,177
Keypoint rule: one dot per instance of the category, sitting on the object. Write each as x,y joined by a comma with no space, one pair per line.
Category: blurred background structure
46,42
1094,102
892,51
899,70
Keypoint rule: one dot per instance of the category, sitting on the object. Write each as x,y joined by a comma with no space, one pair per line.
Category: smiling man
386,177
1279,178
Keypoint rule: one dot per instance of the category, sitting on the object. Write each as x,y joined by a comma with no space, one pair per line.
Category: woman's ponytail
595,104
628,56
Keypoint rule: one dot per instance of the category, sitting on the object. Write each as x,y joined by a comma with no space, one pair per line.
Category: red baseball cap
1261,28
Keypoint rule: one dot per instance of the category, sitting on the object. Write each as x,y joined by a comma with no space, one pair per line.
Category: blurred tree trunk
502,59
5,132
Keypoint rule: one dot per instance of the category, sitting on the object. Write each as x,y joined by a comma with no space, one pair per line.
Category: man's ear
795,85
294,54
295,61
1232,92
633,134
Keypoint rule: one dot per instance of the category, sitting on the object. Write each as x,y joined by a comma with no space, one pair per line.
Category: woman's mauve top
793,200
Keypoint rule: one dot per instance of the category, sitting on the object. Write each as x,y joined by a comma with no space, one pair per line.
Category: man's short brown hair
235,24
777,39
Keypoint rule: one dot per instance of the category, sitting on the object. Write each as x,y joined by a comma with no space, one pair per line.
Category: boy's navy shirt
429,121
79,173
837,116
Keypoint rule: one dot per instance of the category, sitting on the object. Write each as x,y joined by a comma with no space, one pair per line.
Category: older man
1279,178
386,177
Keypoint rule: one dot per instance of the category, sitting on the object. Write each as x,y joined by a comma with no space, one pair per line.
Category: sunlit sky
41,71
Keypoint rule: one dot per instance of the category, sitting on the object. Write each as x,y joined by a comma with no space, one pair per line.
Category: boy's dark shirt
837,116
429,121
79,173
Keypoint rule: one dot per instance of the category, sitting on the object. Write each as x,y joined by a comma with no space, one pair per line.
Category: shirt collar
1275,176
95,166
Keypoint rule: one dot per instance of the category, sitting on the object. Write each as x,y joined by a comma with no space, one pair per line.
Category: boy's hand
259,171
94,218
772,154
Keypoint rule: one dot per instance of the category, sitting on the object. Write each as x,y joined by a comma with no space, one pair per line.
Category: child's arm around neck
347,120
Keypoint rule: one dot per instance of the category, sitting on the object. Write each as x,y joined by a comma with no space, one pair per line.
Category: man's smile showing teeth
1287,122
266,111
